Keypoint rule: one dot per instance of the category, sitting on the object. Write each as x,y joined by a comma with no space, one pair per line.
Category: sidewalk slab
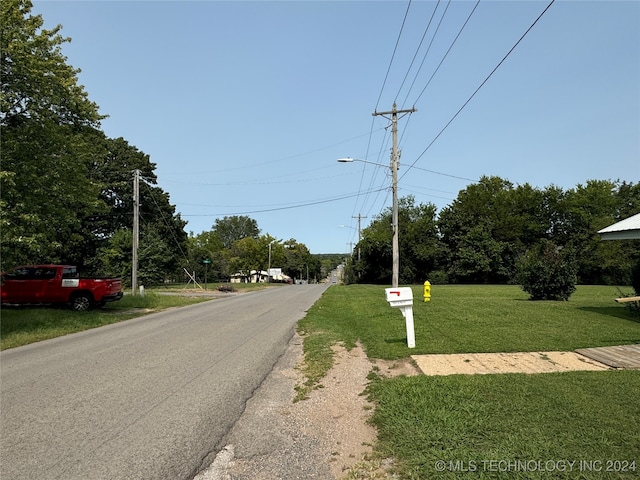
519,362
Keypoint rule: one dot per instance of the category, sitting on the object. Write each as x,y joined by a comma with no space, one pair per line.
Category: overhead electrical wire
446,53
441,61
393,54
385,140
285,207
417,50
479,87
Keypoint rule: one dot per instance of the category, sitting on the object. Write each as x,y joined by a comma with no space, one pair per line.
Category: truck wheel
81,302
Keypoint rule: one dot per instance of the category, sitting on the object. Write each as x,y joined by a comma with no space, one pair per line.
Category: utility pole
394,187
359,217
136,231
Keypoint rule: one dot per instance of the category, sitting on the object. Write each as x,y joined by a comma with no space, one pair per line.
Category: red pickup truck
57,284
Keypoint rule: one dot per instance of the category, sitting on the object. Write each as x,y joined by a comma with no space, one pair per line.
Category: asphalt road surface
149,398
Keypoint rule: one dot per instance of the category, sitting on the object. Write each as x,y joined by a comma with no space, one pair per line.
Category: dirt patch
396,368
340,411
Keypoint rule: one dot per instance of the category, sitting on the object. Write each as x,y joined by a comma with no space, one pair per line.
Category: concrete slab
519,362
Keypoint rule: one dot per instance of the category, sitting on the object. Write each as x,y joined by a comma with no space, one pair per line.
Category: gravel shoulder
323,437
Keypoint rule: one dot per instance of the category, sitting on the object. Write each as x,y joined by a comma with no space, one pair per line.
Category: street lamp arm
351,160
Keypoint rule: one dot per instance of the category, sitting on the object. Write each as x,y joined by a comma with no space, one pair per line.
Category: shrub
437,277
547,273
635,277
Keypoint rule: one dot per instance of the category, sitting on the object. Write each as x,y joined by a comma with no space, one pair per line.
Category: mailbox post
402,298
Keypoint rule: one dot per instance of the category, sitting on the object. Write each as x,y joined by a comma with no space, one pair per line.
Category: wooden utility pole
395,156
136,231
359,217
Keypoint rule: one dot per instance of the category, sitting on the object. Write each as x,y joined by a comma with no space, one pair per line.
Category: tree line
493,225
67,188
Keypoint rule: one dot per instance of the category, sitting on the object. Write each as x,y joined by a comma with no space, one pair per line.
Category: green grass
467,319
593,417
471,421
24,325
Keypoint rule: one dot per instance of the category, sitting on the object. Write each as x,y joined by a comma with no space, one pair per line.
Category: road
149,398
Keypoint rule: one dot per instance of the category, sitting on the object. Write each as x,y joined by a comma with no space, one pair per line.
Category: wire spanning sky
246,106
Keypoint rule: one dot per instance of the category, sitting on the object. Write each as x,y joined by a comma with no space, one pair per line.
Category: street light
394,217
351,160
269,267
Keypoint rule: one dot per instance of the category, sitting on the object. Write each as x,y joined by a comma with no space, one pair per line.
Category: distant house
258,277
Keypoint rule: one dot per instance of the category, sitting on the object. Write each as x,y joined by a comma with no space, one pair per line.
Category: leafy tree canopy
234,228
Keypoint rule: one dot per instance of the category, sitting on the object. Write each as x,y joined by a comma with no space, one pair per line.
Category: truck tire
81,302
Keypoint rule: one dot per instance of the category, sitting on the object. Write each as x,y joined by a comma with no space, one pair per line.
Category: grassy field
568,425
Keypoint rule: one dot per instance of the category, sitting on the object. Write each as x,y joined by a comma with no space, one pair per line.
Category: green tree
299,262
248,254
207,246
589,208
37,82
419,247
234,228
481,231
46,125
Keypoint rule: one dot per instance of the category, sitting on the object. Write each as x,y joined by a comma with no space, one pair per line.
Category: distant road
149,398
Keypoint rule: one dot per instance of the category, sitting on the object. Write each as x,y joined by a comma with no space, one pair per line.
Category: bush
635,277
437,277
546,273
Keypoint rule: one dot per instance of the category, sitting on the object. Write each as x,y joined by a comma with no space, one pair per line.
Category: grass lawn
24,325
490,426
442,427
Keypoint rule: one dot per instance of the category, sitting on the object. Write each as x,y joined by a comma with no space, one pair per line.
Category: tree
250,253
419,247
37,83
299,263
589,208
232,229
46,120
480,231
206,246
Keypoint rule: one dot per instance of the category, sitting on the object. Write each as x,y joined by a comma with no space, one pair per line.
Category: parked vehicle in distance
57,284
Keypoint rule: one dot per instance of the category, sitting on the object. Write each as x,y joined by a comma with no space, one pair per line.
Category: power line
446,53
287,207
478,89
393,54
417,50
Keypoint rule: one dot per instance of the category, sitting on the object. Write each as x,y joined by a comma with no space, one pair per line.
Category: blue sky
245,106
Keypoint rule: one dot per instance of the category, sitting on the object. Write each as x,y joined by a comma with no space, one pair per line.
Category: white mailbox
402,298
399,297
